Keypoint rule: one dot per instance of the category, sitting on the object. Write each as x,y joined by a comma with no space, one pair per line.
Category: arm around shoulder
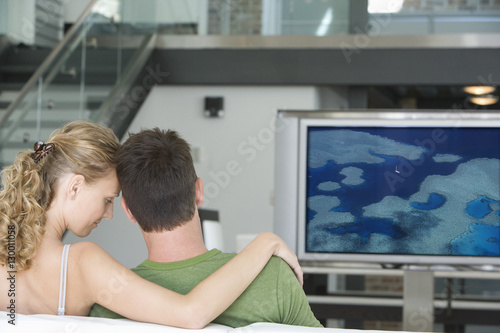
119,289
292,300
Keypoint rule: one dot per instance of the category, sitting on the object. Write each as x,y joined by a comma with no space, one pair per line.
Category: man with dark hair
161,192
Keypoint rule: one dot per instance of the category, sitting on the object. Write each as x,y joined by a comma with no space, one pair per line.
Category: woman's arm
120,290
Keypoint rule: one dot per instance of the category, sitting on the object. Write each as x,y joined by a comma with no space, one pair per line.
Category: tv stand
417,307
418,301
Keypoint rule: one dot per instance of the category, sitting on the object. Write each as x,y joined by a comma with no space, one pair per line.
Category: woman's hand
284,252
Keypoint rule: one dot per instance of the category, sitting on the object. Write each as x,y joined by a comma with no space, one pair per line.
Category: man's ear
199,192
75,185
127,211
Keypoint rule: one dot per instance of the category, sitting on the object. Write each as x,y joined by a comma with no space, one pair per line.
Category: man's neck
182,243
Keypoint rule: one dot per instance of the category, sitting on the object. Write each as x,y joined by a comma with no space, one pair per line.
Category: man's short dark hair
157,177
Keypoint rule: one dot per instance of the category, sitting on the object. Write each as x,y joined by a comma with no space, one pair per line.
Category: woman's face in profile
93,203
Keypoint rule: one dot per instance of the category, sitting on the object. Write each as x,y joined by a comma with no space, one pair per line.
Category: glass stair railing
84,77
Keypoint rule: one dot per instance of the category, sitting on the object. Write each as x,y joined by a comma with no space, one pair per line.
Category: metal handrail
42,84
46,63
129,74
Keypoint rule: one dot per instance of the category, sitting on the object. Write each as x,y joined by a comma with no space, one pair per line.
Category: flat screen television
389,187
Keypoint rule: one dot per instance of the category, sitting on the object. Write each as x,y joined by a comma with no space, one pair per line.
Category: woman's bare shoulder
96,270
89,253
85,246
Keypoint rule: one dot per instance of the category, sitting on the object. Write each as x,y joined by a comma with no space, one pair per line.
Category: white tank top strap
62,280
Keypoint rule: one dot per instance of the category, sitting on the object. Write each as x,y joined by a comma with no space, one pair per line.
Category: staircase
82,81
62,101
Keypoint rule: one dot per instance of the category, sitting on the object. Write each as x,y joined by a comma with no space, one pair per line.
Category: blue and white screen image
392,190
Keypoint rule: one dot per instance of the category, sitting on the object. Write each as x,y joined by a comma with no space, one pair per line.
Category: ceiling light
484,99
479,90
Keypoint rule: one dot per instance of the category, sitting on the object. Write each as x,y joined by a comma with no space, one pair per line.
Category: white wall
237,151
236,155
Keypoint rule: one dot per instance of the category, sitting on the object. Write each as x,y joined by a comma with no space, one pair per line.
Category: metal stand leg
418,296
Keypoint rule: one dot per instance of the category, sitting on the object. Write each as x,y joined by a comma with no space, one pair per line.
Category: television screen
403,190
394,188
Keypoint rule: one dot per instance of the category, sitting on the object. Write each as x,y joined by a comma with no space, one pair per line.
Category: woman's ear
199,192
75,185
127,211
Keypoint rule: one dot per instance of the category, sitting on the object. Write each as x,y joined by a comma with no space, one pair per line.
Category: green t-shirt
275,296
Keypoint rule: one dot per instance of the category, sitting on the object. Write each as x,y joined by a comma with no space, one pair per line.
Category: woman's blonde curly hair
28,188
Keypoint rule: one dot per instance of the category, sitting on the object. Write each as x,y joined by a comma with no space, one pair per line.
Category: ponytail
29,185
22,219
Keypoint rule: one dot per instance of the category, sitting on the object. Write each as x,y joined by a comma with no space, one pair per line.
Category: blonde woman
70,183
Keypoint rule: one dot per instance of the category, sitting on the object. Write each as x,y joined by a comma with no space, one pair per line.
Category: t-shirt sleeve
293,303
100,311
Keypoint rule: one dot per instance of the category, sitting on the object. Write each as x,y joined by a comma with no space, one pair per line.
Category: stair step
23,69
97,77
46,123
26,134
9,86
18,69
8,94
27,56
20,65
